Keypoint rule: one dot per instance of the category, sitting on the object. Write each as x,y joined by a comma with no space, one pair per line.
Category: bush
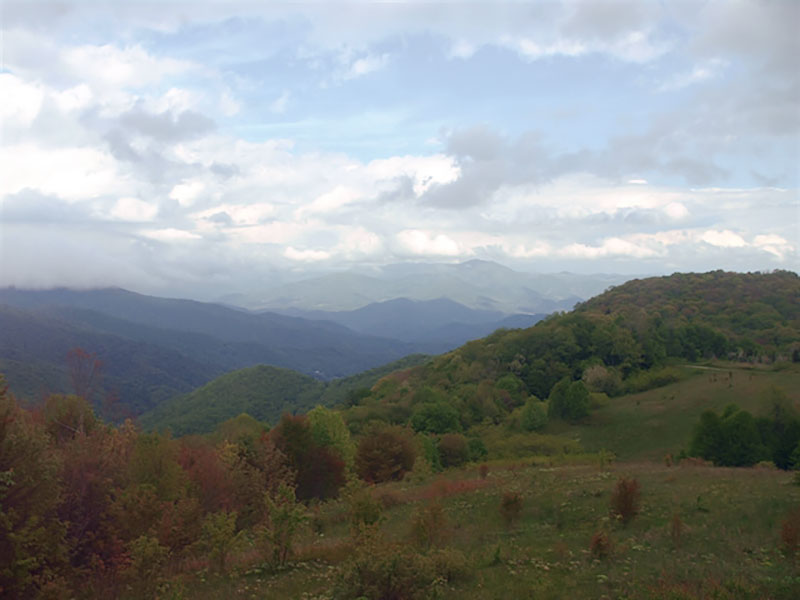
385,454
626,500
384,572
453,450
790,533
435,417
219,538
600,545
364,510
284,517
569,400
148,558
429,526
534,415
510,506
395,572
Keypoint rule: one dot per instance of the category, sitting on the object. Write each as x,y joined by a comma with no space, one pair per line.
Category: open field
702,532
650,424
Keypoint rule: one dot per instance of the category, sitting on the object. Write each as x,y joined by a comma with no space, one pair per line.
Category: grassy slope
730,520
650,424
728,545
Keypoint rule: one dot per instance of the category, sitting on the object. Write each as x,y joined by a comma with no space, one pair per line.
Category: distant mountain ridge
155,348
441,322
476,284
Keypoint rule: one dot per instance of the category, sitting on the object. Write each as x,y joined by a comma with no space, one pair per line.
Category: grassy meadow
697,531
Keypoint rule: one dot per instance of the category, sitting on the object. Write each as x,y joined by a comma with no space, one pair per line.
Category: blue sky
184,147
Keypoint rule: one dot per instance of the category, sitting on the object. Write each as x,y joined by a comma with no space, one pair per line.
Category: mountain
153,348
620,341
441,322
477,284
263,392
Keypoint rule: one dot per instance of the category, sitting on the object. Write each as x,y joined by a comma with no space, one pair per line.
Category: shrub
534,415
429,526
676,528
453,450
148,558
790,533
569,400
379,571
510,506
219,538
625,500
435,417
363,509
284,517
385,454
483,471
600,545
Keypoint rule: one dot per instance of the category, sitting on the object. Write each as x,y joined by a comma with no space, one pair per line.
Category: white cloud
108,66
723,239
21,101
306,255
422,243
170,234
187,193
611,247
365,65
134,209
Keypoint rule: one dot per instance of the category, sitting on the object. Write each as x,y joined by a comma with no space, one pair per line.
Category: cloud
723,239
166,126
134,209
611,247
366,65
422,243
306,255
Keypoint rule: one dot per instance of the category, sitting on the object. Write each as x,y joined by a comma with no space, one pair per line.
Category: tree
385,454
569,401
329,430
534,415
319,472
31,536
435,417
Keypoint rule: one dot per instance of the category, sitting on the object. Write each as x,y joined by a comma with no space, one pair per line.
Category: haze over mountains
478,284
153,349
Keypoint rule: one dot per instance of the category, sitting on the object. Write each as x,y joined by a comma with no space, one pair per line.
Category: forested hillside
621,341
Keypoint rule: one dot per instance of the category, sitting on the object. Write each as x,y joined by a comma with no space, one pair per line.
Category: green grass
650,424
729,540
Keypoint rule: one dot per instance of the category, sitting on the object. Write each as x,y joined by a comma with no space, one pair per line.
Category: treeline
86,506
736,438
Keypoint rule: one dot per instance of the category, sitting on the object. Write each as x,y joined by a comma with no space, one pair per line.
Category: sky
200,147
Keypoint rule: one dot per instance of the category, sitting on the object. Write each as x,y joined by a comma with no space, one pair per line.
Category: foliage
534,415
319,470
363,508
284,517
626,500
385,454
329,430
454,450
569,401
429,526
435,417
31,538
737,439
790,532
148,559
600,545
219,538
510,506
